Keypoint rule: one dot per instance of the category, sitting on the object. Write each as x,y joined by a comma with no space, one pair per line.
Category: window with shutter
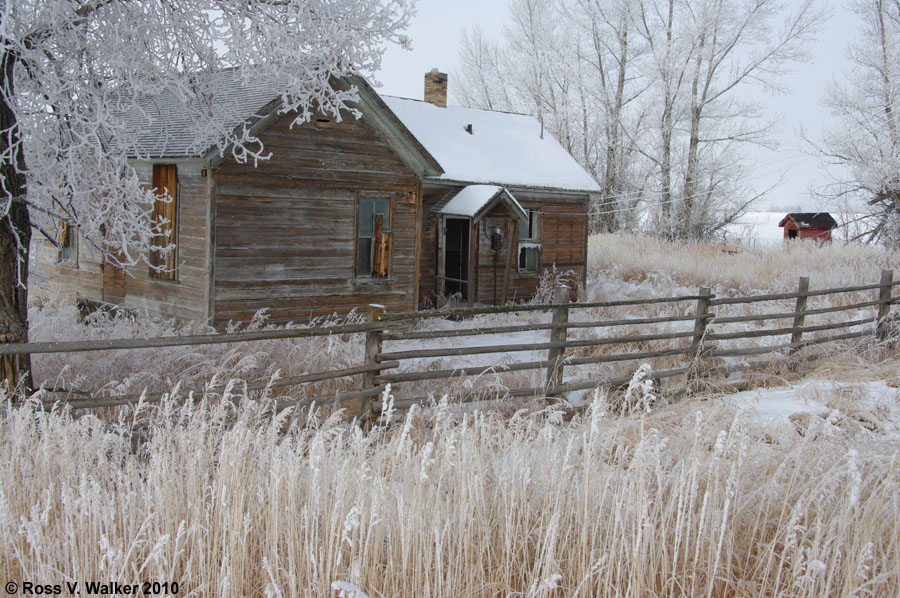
373,237
165,215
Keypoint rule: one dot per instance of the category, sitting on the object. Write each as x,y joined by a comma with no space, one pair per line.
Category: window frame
67,241
357,237
531,240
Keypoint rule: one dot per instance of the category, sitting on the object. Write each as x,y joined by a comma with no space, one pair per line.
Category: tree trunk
666,130
686,228
15,237
612,184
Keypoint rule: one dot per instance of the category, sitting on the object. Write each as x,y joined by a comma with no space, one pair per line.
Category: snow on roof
502,149
473,198
810,220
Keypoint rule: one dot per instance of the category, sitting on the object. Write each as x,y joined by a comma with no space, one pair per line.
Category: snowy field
756,229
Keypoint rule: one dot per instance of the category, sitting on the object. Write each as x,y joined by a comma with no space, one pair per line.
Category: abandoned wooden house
412,201
808,225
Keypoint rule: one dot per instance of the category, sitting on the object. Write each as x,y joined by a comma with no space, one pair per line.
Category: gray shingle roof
166,125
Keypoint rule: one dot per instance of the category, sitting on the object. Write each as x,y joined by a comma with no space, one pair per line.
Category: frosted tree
735,43
607,51
656,21
863,147
483,80
566,62
651,96
705,56
71,70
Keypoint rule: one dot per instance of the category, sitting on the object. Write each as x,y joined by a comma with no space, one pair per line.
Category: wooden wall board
286,231
136,289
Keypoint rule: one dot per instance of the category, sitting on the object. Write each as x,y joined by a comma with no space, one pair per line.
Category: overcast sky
435,33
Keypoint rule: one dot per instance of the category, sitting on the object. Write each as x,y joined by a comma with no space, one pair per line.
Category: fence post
799,309
702,320
558,335
882,329
373,348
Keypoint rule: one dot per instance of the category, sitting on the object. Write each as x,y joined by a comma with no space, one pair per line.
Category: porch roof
474,201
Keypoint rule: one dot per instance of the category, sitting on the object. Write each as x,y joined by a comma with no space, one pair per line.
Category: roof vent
469,129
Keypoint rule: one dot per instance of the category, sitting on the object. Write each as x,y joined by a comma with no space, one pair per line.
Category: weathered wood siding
428,257
564,234
285,231
564,230
82,277
485,257
185,297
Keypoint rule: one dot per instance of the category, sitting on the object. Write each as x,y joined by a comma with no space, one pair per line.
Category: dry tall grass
692,500
228,499
735,270
117,372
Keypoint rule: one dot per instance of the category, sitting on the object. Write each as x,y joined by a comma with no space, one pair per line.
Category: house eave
507,199
410,151
267,116
373,109
444,182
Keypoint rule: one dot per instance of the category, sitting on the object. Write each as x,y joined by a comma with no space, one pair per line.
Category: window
165,212
528,229
373,237
530,242
66,243
529,257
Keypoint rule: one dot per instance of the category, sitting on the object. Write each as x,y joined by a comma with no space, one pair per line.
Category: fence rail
404,369
187,340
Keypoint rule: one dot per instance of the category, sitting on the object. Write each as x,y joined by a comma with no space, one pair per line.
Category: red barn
808,225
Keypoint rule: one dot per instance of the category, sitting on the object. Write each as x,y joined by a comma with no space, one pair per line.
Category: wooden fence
707,345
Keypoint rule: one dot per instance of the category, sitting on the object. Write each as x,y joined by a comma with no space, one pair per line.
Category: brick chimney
436,88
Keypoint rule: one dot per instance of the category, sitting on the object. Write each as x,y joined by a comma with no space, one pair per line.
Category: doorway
456,257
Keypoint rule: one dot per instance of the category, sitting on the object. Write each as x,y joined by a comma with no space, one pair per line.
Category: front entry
456,257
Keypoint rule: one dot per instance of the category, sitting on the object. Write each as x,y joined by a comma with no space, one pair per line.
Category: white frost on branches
650,96
864,142
81,67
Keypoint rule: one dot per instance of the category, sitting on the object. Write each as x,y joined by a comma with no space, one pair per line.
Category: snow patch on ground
872,404
779,403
